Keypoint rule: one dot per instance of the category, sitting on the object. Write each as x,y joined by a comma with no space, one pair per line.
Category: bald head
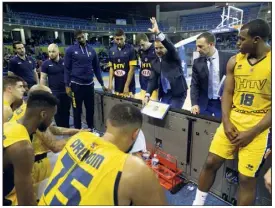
39,87
53,52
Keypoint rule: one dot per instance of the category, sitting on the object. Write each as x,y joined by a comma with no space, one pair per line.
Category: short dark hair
16,43
119,32
11,80
257,27
77,33
141,36
124,114
209,37
41,99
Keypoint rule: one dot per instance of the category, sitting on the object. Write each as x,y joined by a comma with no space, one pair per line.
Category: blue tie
210,79
165,83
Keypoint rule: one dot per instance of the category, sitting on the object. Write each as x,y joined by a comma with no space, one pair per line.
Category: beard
42,127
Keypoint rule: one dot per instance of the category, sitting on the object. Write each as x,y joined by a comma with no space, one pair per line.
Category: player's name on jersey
82,153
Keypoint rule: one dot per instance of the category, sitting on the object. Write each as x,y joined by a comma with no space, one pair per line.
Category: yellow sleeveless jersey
39,147
13,132
87,172
252,93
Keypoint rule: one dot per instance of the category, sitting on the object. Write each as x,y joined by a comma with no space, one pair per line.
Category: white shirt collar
215,55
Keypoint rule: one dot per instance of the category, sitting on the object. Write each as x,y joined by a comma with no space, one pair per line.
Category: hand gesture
155,27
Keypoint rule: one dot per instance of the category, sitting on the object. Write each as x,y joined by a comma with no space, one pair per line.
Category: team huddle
85,169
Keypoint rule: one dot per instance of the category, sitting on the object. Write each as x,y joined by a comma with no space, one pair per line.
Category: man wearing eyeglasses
122,62
81,63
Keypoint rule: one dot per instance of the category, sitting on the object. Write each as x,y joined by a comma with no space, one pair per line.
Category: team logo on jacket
146,59
90,53
30,62
75,52
119,73
118,60
146,73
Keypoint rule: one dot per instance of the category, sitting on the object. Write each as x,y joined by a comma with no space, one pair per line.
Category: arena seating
207,21
76,23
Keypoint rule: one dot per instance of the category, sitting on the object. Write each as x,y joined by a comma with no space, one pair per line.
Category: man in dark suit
207,73
166,72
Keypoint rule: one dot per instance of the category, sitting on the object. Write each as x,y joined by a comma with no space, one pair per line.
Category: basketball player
45,143
13,91
18,153
98,171
245,126
122,66
146,54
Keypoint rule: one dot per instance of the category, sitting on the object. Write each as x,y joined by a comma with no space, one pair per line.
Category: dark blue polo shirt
23,68
81,63
145,70
120,60
55,72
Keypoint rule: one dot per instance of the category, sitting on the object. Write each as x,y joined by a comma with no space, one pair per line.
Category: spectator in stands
122,62
22,65
52,74
166,74
5,64
81,63
207,72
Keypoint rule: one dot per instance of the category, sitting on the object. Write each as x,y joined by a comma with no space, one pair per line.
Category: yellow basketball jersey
39,147
87,172
13,132
19,112
252,92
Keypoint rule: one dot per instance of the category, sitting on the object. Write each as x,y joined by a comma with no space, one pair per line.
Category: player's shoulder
113,48
135,163
13,59
14,129
239,57
31,58
71,48
46,63
129,46
135,169
83,137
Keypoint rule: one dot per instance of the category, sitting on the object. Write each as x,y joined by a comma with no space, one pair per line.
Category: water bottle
155,162
146,155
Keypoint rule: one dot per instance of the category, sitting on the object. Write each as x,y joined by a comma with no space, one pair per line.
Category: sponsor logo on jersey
146,72
119,73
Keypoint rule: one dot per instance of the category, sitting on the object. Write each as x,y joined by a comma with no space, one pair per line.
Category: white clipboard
155,109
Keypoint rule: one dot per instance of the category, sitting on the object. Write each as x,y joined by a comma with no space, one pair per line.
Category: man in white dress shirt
207,73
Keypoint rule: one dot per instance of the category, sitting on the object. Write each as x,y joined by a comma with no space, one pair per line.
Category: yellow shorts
10,199
142,93
251,157
41,170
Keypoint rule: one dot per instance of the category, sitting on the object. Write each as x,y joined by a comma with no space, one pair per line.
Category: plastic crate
167,171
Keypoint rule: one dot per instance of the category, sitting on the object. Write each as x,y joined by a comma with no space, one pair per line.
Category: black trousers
62,116
80,94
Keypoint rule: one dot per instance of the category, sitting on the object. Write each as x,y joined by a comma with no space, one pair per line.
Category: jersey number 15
67,189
